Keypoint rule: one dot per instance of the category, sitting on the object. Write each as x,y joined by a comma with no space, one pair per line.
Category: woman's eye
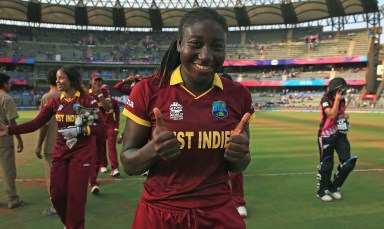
195,44
219,46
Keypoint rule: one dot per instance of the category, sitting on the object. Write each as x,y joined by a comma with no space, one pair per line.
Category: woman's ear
178,44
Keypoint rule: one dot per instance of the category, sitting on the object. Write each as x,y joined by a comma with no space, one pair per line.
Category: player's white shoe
325,198
103,169
95,189
336,195
242,211
115,173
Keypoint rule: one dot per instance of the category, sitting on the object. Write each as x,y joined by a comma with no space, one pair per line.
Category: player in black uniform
332,136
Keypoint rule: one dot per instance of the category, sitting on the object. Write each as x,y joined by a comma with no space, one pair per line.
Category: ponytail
170,61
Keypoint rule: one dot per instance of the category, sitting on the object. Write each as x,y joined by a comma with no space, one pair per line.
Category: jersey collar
77,94
177,79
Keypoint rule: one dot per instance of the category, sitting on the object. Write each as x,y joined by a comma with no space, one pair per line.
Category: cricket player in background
112,119
104,104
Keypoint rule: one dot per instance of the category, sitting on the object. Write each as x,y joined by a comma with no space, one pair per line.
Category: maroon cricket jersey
65,116
328,126
112,117
198,178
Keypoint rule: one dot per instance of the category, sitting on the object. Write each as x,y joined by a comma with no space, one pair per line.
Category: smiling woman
180,126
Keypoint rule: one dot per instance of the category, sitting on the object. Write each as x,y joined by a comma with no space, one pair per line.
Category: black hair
51,76
171,58
4,78
74,76
227,76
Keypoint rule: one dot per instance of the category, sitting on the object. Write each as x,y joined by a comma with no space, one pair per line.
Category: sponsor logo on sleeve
130,103
325,104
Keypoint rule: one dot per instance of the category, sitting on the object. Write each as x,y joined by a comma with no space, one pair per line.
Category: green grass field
279,184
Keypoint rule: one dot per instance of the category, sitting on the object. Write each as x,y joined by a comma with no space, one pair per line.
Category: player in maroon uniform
112,119
236,180
71,157
126,90
104,103
181,125
121,86
332,136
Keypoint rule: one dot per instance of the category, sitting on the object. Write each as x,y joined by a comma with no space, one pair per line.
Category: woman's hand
20,145
38,152
130,78
338,96
164,141
238,145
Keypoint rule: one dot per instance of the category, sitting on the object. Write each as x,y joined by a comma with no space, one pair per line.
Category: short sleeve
136,107
325,103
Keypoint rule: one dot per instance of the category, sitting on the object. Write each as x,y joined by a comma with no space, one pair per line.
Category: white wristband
100,95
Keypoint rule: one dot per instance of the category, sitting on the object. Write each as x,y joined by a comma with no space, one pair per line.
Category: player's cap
96,76
104,87
337,83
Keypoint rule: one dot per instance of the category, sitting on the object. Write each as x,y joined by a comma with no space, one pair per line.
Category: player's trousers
236,180
338,143
98,149
8,169
161,216
327,146
69,182
112,151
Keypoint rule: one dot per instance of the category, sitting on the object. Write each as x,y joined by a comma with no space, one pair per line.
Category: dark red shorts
160,216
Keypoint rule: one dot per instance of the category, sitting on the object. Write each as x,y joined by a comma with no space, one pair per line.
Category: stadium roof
161,14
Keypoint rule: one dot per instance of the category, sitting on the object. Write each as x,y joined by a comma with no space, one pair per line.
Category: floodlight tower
380,70
373,79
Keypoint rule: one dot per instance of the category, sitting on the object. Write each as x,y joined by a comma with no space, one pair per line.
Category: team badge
219,109
176,111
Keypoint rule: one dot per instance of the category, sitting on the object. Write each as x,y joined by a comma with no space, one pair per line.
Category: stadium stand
279,60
